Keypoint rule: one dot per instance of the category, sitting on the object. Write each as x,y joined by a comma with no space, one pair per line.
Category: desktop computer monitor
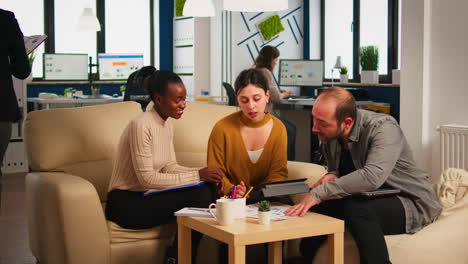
118,66
300,72
65,67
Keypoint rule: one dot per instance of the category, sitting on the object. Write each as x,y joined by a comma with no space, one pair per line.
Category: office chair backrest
135,90
230,93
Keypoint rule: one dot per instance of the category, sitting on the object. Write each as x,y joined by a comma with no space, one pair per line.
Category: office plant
369,60
344,74
264,212
270,27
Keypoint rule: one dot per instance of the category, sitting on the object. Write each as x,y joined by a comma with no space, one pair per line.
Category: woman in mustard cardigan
249,146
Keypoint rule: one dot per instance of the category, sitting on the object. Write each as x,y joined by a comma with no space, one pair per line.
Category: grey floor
14,245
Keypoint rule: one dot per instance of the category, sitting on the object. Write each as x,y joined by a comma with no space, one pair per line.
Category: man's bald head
344,100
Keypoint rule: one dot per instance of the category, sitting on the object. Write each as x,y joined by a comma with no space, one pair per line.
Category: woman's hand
211,175
240,190
301,208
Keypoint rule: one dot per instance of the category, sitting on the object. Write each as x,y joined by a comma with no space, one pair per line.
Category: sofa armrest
65,220
312,172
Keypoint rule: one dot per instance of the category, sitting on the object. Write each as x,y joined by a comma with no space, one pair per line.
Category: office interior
423,39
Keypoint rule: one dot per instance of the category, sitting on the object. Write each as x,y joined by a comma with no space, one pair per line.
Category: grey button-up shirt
381,155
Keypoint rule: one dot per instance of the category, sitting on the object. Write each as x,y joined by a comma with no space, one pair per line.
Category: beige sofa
71,152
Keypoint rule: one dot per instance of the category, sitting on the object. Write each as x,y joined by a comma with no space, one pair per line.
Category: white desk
312,102
76,102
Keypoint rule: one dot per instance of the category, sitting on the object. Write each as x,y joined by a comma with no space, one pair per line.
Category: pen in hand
246,195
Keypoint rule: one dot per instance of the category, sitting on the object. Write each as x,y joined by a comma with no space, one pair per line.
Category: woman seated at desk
146,160
249,146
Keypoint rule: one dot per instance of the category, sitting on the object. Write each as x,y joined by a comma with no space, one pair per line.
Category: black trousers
5,135
131,210
368,220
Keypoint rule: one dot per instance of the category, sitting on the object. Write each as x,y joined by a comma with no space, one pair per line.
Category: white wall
230,53
434,83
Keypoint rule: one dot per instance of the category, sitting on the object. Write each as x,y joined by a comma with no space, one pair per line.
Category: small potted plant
344,74
369,60
264,212
68,92
123,88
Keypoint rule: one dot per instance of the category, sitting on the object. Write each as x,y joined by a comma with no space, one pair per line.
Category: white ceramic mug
241,208
225,211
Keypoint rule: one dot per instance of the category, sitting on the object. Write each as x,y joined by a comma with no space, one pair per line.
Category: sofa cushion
118,234
78,140
192,131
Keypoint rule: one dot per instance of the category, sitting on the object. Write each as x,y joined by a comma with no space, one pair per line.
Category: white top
254,155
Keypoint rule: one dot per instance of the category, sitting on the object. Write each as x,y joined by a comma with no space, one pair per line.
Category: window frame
392,42
49,29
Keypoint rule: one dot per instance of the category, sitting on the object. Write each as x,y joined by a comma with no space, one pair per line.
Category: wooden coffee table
247,231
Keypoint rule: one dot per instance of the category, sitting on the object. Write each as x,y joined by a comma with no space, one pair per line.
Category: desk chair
230,93
135,86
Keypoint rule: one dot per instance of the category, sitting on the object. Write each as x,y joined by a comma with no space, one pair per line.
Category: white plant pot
396,76
343,78
369,77
264,217
123,94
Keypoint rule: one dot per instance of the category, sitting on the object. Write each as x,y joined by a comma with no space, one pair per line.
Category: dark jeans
368,220
132,210
5,135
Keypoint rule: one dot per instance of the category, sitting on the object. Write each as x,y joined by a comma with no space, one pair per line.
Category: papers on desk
277,212
193,211
299,98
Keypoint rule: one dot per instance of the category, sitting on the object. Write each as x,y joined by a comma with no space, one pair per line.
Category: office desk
312,102
248,231
75,102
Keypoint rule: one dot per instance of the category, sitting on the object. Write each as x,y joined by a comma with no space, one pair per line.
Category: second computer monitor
300,72
118,66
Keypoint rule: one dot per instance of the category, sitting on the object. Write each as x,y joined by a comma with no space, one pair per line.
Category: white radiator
453,147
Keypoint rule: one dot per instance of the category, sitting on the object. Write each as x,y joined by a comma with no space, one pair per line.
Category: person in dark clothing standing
13,61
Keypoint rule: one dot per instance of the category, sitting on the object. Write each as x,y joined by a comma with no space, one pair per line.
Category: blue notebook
154,191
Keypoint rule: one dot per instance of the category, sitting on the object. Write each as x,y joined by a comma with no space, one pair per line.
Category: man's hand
325,178
211,175
301,208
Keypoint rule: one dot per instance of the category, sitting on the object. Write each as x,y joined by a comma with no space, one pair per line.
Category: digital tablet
380,192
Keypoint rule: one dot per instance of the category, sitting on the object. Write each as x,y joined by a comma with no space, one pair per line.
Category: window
30,17
68,39
124,25
350,24
374,19
338,35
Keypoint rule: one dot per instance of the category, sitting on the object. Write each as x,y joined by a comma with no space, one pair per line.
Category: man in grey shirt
365,151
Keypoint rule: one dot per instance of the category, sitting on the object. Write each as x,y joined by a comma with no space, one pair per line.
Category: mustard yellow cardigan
226,151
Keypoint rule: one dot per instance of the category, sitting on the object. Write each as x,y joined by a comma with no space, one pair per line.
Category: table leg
335,248
36,106
275,252
184,236
236,254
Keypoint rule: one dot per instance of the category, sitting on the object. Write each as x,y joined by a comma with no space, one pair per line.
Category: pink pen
234,192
